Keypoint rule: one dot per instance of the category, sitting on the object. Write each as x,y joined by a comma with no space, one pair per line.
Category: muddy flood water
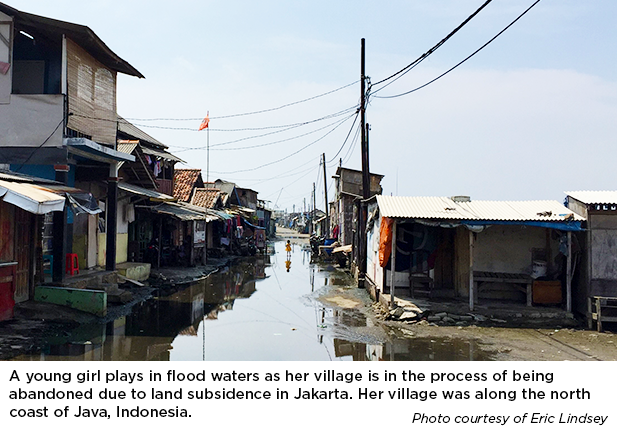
271,307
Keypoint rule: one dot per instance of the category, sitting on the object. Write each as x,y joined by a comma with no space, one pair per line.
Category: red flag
205,122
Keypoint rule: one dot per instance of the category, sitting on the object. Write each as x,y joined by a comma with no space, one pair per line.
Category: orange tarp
385,241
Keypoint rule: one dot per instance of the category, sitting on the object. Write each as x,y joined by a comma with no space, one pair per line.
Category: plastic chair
72,263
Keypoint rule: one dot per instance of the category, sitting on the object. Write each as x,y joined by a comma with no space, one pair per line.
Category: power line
41,145
346,138
465,59
252,112
278,142
338,114
430,51
352,147
290,155
286,127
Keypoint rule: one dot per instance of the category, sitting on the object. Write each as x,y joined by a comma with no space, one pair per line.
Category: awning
30,197
161,153
94,151
148,193
179,212
221,214
80,201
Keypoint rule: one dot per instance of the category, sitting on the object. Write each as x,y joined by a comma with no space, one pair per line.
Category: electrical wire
288,156
346,138
465,59
41,145
353,146
286,127
252,112
424,56
338,114
275,142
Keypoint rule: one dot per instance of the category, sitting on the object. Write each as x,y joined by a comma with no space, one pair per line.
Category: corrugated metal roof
162,154
126,146
53,29
23,178
178,211
129,128
30,197
594,197
446,208
127,187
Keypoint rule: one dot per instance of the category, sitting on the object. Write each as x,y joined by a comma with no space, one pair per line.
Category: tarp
253,226
563,226
30,197
80,201
385,240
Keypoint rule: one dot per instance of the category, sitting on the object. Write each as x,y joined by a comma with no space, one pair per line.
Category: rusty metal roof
594,197
447,208
54,29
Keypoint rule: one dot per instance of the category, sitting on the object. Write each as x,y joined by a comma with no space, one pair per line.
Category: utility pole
366,179
314,208
325,186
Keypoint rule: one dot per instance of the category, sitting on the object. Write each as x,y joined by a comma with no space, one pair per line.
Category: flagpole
208,153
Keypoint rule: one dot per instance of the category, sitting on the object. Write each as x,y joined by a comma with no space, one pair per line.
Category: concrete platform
92,301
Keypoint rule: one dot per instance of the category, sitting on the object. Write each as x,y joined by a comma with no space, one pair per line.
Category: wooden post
393,265
569,274
472,290
160,251
111,213
599,313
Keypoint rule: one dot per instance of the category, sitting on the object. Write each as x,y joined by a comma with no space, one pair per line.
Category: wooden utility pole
366,179
325,186
314,208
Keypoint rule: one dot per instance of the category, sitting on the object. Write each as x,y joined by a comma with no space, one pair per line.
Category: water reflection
260,309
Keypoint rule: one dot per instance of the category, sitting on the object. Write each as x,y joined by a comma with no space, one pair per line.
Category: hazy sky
532,115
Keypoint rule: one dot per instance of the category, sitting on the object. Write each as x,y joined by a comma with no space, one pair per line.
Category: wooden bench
512,278
595,307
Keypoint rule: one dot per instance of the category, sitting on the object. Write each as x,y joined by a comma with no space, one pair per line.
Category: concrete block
134,270
92,301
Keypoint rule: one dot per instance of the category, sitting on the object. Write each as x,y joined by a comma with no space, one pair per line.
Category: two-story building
58,121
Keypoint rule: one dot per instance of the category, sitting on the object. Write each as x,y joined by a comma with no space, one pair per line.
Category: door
23,246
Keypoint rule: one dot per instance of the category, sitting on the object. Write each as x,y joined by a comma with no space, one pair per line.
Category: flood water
264,308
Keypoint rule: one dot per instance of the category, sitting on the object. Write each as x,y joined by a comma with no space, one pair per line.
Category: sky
530,116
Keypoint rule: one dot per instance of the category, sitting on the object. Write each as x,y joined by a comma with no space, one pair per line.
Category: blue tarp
253,226
562,226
